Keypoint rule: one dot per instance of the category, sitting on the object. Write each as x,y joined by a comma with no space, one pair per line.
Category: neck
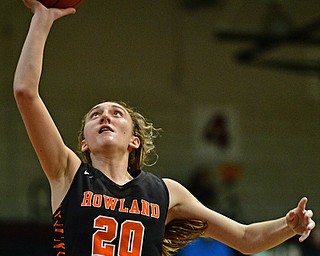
117,171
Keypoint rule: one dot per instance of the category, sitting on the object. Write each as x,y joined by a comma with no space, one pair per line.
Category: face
109,126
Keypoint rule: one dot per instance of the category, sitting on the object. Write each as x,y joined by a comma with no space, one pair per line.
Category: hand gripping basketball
61,3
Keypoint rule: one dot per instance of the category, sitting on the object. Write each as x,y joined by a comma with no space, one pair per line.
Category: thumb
68,11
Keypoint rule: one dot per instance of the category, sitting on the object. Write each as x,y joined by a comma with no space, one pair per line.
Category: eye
94,114
117,113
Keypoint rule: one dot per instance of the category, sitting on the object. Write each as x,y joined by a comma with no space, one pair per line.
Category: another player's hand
55,13
300,220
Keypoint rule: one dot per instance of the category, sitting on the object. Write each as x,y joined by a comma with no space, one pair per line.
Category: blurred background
235,86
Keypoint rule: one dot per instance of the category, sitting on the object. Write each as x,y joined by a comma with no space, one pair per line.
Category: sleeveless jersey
98,217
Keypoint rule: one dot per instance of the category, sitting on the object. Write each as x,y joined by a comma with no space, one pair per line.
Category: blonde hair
142,128
180,232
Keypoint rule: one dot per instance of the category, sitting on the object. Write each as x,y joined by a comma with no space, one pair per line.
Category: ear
84,146
135,142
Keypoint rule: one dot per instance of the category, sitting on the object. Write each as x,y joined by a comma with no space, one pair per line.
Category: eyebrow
113,106
94,108
120,107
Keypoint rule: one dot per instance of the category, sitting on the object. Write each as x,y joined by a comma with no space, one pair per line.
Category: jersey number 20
130,241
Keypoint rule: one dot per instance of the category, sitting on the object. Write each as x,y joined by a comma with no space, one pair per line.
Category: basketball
61,3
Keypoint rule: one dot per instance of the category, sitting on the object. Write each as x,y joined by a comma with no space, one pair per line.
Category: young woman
105,204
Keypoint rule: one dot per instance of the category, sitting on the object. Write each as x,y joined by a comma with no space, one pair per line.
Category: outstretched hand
36,6
300,220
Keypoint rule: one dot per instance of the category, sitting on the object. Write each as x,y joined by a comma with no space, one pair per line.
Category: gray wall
165,60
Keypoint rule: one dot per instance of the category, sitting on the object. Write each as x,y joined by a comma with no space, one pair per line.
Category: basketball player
104,204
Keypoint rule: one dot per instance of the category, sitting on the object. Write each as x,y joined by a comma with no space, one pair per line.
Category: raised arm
248,239
56,159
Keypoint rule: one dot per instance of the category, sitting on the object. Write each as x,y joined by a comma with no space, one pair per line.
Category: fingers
26,3
302,204
310,224
304,236
309,213
34,4
30,3
300,220
307,231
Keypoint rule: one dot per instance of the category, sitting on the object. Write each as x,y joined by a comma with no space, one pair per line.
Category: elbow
250,247
22,93
18,92
247,244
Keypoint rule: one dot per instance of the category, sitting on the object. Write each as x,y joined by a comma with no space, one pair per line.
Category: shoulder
172,184
175,186
182,204
178,194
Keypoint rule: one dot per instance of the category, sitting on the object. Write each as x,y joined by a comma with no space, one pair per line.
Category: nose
105,118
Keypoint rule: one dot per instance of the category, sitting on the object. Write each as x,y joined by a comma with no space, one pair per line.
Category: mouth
105,129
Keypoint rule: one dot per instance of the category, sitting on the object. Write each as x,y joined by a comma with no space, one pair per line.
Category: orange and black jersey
99,217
